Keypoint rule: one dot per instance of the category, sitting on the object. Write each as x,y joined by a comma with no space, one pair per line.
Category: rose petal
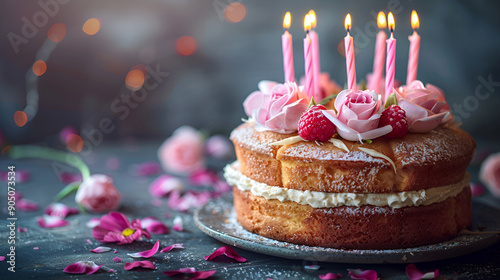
164,185
51,221
227,251
93,222
476,189
144,264
117,259
203,177
154,226
173,246
363,274
147,168
60,210
100,249
26,205
178,224
148,253
415,274
2,258
35,248
22,229
330,276
82,267
192,270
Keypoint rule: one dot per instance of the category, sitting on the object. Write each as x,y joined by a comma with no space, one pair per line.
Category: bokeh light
235,12
57,32
136,76
20,118
74,143
6,150
186,45
39,67
92,26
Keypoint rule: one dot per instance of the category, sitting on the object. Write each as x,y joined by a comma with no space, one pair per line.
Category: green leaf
369,141
328,99
73,187
311,103
391,100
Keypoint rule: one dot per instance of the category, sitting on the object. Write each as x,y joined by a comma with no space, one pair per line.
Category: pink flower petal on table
35,248
100,249
154,226
147,169
363,274
51,222
22,229
171,247
178,224
82,267
21,176
476,189
203,177
179,271
117,259
415,274
228,252
148,253
187,201
60,210
164,185
92,223
144,264
2,258
115,227
67,177
330,276
26,205
191,270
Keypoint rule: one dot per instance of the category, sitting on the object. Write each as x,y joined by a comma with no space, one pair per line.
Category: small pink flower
21,176
363,274
148,253
182,153
67,177
191,270
276,107
330,276
490,174
171,247
51,221
414,274
228,252
117,259
60,210
425,107
164,185
27,205
154,226
144,264
219,146
98,194
100,249
358,115
203,177
147,169
82,267
115,227
178,224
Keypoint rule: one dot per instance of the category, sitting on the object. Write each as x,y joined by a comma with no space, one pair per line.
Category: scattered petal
476,189
144,264
92,223
22,229
115,252
111,270
100,249
154,226
330,276
203,177
117,259
415,274
164,185
26,205
60,210
363,274
178,224
227,251
51,222
68,178
179,271
187,201
173,246
191,270
21,176
222,186
2,258
82,267
148,253
147,169
35,248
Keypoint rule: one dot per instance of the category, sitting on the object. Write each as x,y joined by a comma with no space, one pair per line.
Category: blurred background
140,69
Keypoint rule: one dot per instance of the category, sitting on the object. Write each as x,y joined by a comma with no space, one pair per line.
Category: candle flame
415,24
347,22
381,22
287,20
307,22
390,20
312,17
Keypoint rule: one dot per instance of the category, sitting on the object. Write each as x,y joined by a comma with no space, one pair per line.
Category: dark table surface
59,247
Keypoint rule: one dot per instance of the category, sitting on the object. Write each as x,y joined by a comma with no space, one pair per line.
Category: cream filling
316,199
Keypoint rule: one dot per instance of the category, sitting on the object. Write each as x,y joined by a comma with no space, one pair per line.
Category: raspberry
395,117
313,125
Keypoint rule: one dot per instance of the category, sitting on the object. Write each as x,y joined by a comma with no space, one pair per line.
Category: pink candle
309,85
287,46
315,56
411,75
378,60
349,55
390,63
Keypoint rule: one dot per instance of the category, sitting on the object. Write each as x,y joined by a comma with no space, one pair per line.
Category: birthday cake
362,170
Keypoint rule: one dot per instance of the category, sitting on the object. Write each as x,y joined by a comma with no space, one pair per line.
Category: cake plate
218,220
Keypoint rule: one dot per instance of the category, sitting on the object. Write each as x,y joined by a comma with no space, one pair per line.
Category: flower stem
28,151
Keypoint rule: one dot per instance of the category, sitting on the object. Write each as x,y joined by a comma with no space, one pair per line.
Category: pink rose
276,107
358,115
98,194
182,153
490,174
425,107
